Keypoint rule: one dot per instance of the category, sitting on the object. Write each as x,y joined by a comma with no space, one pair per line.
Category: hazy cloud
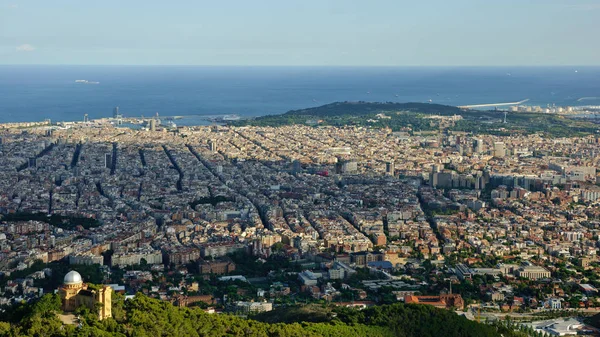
585,7
25,48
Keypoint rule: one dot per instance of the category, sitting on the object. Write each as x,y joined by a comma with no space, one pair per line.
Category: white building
87,259
558,327
309,278
254,307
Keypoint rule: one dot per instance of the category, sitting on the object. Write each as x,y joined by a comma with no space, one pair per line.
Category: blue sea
34,93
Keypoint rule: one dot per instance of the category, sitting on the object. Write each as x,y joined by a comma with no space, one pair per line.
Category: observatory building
74,293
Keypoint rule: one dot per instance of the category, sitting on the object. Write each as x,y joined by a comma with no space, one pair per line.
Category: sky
301,32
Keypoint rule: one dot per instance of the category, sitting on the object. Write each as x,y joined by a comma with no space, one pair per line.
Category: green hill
368,108
354,113
144,316
414,116
399,319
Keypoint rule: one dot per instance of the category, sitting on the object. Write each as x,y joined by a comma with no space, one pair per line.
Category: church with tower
74,293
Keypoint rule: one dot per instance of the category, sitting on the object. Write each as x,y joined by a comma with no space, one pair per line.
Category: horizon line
305,66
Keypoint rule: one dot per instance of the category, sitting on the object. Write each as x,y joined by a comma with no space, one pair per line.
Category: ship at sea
222,119
231,118
172,118
86,82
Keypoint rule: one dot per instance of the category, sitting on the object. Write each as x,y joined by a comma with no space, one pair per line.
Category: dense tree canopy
144,316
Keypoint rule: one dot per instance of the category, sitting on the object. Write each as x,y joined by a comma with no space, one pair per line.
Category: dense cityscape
246,219
335,168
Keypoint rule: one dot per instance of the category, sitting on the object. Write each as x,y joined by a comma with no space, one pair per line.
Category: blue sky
300,32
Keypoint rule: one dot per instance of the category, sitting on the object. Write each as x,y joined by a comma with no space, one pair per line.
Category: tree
4,328
144,316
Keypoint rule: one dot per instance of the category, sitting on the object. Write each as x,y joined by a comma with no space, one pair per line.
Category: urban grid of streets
424,210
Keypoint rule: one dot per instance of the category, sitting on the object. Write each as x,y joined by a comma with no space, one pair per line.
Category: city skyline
311,33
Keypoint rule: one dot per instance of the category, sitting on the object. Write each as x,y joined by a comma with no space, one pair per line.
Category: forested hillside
144,316
414,116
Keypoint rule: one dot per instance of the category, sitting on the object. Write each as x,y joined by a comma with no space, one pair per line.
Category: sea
36,93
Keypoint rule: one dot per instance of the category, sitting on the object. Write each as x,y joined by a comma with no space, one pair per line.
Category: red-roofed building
444,301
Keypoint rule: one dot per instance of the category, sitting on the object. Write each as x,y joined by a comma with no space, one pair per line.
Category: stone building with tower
74,294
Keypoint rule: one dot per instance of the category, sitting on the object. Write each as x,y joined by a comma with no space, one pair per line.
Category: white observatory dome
73,277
